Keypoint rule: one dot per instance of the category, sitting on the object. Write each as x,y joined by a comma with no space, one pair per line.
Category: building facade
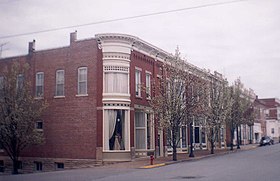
97,108
272,115
260,120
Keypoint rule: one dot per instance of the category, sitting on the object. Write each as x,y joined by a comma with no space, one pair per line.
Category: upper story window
59,91
40,84
138,83
20,80
148,85
82,80
116,79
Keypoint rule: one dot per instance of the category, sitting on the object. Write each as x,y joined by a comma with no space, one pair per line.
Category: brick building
272,115
260,120
98,110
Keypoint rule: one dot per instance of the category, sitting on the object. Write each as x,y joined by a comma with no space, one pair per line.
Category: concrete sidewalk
144,163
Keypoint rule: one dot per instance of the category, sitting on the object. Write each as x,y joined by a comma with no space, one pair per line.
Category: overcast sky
240,39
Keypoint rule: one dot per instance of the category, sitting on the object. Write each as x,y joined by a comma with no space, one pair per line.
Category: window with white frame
150,131
82,80
148,85
140,130
138,83
116,130
20,80
39,84
143,131
222,136
116,79
59,91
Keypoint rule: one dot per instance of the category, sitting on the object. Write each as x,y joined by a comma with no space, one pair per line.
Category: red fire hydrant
152,159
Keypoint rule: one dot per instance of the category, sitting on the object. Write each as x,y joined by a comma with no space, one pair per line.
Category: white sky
239,39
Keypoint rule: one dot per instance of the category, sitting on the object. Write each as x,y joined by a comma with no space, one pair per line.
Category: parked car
266,140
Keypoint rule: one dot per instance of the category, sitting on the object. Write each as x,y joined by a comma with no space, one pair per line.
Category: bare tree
250,115
241,105
218,110
19,112
177,97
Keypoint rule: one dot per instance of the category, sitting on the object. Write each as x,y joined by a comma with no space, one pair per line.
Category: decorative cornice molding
135,43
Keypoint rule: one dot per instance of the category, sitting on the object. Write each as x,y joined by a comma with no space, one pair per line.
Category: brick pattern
69,123
48,164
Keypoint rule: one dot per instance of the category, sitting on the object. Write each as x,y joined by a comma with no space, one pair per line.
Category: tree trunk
231,137
212,147
174,153
15,166
212,141
174,145
237,138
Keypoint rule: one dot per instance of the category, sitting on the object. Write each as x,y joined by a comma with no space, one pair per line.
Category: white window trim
141,128
86,81
152,142
107,69
58,97
56,73
106,125
150,86
39,97
17,83
138,85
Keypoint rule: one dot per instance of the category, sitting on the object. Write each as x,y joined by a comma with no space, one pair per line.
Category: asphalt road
260,164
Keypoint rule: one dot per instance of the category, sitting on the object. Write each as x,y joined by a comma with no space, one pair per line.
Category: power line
120,19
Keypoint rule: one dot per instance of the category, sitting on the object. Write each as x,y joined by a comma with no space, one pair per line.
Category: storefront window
116,130
143,130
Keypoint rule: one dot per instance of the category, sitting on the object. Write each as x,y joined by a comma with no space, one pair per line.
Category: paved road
260,164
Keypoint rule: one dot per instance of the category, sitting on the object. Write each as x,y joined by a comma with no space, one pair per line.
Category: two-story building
98,92
98,109
272,115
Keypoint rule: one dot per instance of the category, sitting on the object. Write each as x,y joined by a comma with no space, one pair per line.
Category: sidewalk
144,163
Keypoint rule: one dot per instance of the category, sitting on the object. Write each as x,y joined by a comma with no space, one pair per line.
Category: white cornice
135,43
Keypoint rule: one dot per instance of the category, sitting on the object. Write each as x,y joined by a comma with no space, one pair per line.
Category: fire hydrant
152,159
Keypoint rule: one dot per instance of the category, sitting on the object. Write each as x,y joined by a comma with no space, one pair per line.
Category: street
259,164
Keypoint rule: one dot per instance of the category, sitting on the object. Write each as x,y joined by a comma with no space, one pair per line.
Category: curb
153,166
195,158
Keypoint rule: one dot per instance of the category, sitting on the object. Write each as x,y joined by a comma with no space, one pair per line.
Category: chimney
31,47
73,37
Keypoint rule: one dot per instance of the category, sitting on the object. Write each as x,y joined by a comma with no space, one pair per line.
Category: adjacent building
272,115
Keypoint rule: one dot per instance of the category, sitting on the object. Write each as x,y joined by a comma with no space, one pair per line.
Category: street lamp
191,140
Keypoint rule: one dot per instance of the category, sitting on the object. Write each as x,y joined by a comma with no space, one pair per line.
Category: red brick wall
69,122
145,63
